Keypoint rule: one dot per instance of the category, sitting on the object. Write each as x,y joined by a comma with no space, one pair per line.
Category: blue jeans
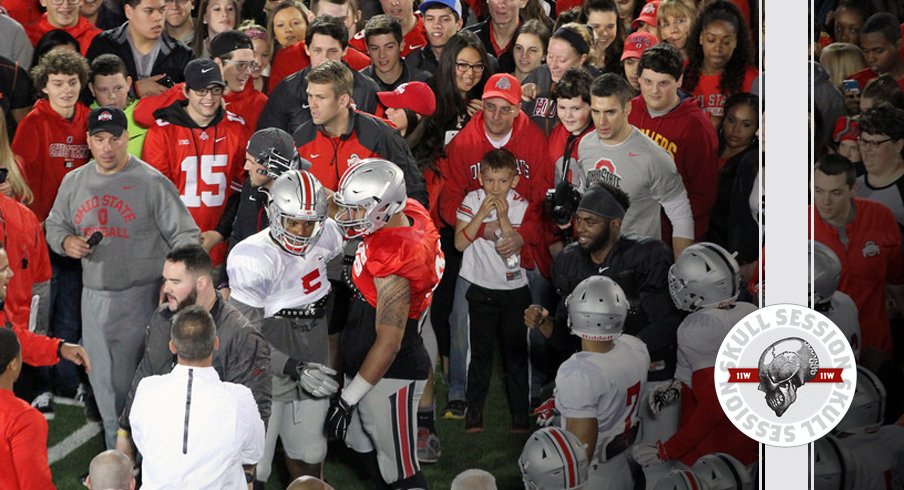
65,317
459,342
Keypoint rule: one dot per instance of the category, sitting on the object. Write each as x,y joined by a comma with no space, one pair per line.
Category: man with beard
640,265
243,356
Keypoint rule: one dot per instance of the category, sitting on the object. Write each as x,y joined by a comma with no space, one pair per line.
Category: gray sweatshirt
140,214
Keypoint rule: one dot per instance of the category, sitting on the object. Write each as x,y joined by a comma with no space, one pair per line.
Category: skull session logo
785,375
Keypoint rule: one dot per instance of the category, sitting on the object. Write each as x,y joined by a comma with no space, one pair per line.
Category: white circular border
749,358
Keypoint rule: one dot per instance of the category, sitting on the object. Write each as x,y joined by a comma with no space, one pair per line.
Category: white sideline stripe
72,442
69,402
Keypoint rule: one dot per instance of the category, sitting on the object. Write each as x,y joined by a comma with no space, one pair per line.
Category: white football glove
647,454
664,396
318,380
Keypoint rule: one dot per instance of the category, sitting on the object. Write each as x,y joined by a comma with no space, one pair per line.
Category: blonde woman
675,20
14,185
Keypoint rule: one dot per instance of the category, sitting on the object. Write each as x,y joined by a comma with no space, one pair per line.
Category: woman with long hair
14,184
52,41
719,58
287,26
675,20
571,45
737,141
262,53
214,17
609,34
530,48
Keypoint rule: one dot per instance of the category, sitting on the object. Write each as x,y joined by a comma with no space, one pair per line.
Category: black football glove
338,419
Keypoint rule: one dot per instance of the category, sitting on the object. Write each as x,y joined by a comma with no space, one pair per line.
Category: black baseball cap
109,119
227,42
202,73
271,139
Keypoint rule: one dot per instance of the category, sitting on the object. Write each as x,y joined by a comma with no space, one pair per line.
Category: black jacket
171,60
506,60
287,108
640,265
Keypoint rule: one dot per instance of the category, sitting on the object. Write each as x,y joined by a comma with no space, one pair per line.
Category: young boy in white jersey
598,390
498,293
279,281
705,281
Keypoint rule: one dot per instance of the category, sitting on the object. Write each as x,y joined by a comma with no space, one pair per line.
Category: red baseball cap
417,96
637,43
504,86
846,129
647,15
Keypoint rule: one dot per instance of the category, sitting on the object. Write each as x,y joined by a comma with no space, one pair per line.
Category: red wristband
465,233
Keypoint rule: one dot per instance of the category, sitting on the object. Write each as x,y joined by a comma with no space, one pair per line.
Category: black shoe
44,404
86,395
520,424
455,410
474,420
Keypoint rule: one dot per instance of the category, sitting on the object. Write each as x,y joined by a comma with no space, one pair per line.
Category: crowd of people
229,224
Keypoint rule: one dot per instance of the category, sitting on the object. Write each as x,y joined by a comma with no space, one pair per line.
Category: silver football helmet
722,471
867,410
705,275
553,458
679,480
296,195
826,272
369,193
597,309
833,465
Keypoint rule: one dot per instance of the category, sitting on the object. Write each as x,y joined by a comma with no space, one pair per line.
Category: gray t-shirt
638,166
144,63
889,195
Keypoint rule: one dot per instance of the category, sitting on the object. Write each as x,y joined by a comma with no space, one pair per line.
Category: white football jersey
879,458
263,275
606,386
701,334
843,312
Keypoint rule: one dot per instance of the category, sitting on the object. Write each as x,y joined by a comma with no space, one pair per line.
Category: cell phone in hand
95,238
850,86
3,173
166,81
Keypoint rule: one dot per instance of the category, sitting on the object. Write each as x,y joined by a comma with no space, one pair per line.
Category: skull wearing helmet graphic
784,367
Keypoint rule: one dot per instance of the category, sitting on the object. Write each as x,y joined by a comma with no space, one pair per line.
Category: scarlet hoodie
687,135
83,32
246,104
50,146
206,164
528,144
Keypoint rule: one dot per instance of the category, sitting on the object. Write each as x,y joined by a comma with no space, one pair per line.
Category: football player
553,458
279,281
705,280
396,268
598,389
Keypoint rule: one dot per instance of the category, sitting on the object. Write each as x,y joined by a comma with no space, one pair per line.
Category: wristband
120,432
60,348
355,391
465,233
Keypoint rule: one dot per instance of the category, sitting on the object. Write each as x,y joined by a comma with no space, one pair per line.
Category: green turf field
495,450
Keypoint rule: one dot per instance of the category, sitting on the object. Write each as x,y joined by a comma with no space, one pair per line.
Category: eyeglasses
57,3
505,110
217,91
244,65
871,145
462,67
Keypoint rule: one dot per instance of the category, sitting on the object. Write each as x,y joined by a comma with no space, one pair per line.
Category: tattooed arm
393,302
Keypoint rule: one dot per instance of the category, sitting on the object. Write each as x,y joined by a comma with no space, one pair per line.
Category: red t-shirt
870,259
294,58
412,252
23,445
709,95
50,146
413,39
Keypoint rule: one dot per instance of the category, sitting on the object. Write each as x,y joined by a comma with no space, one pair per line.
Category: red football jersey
412,252
49,147
205,164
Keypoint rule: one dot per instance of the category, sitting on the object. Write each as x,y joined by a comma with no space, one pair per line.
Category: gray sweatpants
113,330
